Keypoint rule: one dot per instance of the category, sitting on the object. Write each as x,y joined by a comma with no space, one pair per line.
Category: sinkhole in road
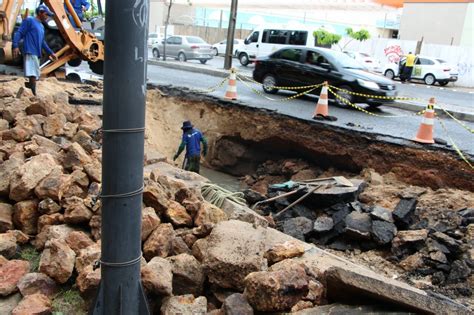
241,138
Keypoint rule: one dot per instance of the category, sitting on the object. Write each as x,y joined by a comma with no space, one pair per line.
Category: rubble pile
421,241
197,258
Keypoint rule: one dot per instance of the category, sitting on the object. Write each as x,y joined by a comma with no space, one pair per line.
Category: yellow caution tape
459,152
213,88
347,102
456,120
400,98
282,87
273,99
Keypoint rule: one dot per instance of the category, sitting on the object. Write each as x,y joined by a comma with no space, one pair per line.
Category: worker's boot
32,86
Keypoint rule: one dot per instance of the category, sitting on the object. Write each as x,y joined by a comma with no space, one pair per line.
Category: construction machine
70,44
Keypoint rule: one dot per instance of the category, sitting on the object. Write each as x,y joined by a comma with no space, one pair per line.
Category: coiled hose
217,195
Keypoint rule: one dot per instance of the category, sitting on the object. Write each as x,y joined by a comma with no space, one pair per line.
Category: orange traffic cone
425,133
231,92
322,106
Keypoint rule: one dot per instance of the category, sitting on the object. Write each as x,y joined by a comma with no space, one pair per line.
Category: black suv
292,67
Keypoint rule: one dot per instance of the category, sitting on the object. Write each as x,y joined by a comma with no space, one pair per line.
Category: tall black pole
229,51
120,290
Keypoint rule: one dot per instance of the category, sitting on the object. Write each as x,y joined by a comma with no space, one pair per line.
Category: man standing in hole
191,140
31,32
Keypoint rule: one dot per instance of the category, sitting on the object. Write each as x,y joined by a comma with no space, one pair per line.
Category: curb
224,73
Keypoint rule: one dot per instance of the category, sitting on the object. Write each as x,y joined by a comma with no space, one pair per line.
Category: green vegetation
30,254
69,302
325,38
360,35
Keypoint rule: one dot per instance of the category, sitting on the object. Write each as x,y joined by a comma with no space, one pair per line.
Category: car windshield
344,60
364,55
441,61
195,40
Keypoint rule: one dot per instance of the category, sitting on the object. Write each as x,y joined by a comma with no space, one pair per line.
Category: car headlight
368,84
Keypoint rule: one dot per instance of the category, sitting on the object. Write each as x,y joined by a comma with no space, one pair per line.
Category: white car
153,38
366,60
428,69
220,47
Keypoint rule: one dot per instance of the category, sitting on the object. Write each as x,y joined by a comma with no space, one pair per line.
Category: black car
292,67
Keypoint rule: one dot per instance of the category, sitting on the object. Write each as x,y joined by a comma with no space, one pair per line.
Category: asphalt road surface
397,127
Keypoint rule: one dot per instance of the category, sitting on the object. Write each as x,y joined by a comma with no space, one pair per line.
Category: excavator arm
9,10
80,43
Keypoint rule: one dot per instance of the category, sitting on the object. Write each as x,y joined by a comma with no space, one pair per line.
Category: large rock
94,170
381,213
237,304
88,280
331,194
157,276
95,224
412,262
383,232
53,186
52,232
298,227
54,125
323,224
276,290
7,304
41,107
188,275
155,196
34,304
78,240
232,251
358,225
50,219
284,251
7,169
87,257
27,176
21,238
57,260
10,273
25,216
48,206
451,244
7,245
177,215
86,141
184,304
150,221
75,156
179,246
404,212
159,243
36,282
209,214
6,217
411,236
75,211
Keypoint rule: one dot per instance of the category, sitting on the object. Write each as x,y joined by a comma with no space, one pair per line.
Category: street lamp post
229,51
120,290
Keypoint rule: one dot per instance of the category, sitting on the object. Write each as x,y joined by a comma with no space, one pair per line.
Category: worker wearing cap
191,140
31,32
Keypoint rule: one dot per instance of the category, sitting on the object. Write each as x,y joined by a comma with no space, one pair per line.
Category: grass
69,302
30,254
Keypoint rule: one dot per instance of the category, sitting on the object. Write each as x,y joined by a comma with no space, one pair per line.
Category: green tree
325,38
361,35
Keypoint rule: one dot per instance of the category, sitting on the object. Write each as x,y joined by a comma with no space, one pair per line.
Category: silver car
184,48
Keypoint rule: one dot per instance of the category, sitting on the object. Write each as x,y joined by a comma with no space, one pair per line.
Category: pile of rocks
334,218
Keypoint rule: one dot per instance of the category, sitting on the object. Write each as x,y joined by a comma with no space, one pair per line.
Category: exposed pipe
120,290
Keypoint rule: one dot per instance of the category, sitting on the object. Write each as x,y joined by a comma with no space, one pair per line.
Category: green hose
217,195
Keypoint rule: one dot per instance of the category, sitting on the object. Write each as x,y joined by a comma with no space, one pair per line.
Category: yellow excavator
72,44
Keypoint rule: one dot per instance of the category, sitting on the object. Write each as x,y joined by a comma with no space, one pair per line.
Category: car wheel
181,57
244,59
267,84
216,52
156,53
430,79
343,92
75,62
390,74
74,77
443,83
203,61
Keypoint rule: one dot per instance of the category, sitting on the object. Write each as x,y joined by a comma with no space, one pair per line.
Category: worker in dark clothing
31,32
191,140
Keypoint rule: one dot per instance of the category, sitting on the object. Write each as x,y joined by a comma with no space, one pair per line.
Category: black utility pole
229,51
120,290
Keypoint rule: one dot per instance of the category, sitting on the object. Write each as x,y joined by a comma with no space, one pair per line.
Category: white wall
387,50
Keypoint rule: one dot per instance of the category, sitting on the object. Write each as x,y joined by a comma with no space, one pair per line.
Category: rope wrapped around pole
218,195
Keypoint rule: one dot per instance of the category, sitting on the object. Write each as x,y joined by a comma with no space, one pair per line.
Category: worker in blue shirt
31,32
80,6
191,140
